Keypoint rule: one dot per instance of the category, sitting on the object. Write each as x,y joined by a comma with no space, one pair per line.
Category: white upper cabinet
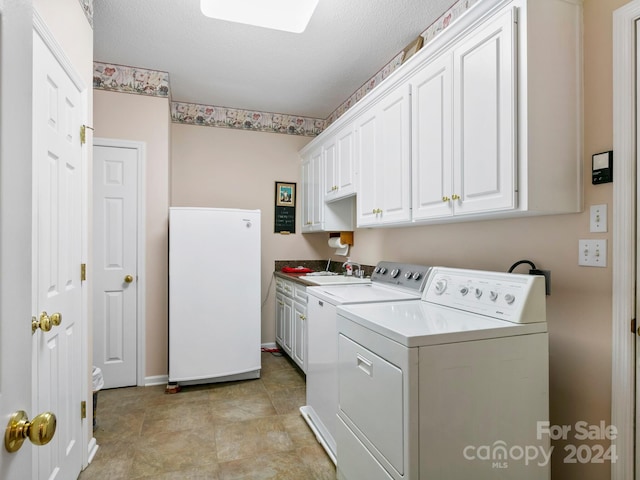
384,156
316,215
339,167
432,140
464,126
483,122
311,193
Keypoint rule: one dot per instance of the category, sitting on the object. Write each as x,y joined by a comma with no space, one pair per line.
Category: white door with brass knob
41,172
58,325
115,237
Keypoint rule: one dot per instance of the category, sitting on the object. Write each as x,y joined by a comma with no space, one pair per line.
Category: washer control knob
464,290
440,286
383,270
408,275
478,293
417,276
509,298
395,272
376,270
493,296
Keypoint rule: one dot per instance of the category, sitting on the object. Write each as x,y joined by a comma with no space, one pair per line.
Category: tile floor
232,431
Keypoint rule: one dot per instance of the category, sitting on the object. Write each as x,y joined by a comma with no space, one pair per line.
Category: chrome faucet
357,272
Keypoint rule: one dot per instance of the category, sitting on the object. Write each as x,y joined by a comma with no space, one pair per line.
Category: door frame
40,27
141,157
623,401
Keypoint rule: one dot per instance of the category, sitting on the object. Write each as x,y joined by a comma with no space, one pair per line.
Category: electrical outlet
598,218
592,253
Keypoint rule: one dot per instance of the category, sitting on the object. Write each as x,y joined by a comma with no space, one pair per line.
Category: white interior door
115,219
57,257
15,228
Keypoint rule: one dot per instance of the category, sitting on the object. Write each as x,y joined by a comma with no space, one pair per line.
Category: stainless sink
334,279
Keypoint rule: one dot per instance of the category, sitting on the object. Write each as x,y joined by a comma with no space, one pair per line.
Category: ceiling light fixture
288,15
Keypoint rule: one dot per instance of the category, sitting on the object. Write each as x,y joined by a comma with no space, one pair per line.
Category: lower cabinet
291,316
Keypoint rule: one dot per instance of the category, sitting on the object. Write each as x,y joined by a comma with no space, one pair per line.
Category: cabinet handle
445,199
455,197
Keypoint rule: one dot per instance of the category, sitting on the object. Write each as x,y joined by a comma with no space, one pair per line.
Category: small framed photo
285,194
412,48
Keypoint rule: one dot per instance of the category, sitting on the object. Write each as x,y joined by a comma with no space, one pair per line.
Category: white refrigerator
214,295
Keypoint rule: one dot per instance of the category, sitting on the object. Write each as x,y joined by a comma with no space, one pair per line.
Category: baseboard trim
156,380
93,448
269,345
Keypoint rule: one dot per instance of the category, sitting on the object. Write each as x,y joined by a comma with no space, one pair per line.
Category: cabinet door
484,121
345,162
287,318
280,319
432,159
367,137
299,347
317,197
311,198
330,174
394,157
306,198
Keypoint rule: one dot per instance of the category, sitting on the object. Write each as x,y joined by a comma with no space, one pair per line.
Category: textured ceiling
214,62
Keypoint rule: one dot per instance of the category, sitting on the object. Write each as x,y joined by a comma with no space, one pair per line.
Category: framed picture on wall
285,194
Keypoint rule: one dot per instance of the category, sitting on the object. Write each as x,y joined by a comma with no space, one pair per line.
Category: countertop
295,277
315,265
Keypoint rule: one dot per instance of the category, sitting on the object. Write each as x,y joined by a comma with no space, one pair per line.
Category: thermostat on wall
602,167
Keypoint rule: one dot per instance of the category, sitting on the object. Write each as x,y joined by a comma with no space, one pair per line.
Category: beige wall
146,119
217,167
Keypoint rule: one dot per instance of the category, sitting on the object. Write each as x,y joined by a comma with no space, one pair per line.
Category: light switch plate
598,218
592,253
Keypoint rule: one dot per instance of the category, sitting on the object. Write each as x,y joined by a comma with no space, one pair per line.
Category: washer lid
361,293
418,323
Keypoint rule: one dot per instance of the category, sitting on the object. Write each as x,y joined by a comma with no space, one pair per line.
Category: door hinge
633,326
83,409
83,272
83,133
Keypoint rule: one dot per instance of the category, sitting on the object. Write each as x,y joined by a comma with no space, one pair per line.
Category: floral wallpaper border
87,8
460,7
140,81
120,78
212,116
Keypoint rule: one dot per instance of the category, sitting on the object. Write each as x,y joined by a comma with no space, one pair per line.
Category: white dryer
390,282
450,386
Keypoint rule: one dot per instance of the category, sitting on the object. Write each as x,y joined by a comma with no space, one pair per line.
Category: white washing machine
451,386
390,282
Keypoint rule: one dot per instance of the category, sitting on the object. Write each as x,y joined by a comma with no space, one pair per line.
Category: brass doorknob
56,319
43,323
39,431
128,279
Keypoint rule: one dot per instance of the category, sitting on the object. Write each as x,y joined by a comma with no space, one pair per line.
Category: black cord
520,262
